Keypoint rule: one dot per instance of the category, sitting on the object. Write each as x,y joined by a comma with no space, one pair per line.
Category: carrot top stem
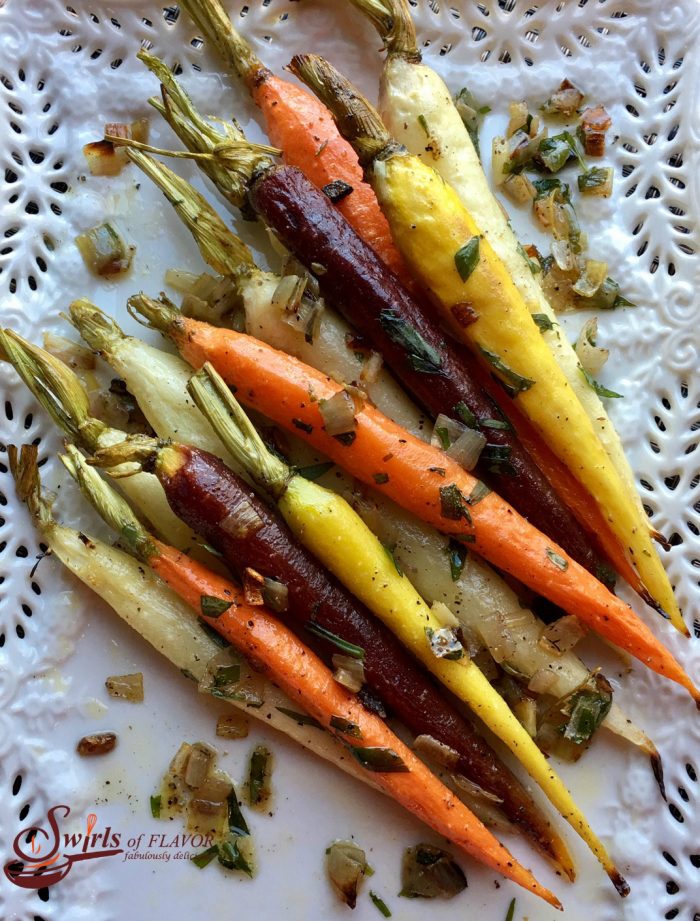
216,401
55,386
109,504
210,17
159,314
392,20
24,469
358,121
220,248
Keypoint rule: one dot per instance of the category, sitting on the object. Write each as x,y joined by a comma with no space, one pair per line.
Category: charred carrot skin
284,389
206,494
436,373
301,674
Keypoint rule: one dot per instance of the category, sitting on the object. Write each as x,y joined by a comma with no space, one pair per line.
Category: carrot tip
620,883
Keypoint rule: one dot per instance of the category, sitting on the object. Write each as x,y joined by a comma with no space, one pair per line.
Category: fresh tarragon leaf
467,258
513,382
422,356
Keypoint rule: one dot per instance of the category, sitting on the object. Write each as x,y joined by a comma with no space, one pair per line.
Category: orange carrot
304,129
416,475
304,677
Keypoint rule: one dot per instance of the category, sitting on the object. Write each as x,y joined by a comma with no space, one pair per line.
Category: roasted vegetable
298,671
420,478
240,526
409,88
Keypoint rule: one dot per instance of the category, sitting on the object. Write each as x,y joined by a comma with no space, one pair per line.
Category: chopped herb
533,264
304,426
471,114
321,148
596,179
501,424
511,911
380,478
346,438
607,297
452,503
543,322
355,652
390,553
259,776
466,415
555,151
424,125
379,760
236,823
513,382
226,675
467,258
558,560
606,574
337,190
601,390
380,904
315,471
588,708
457,555
439,470
230,857
347,727
155,806
422,356
444,643
479,492
302,718
213,607
204,858
560,189
443,435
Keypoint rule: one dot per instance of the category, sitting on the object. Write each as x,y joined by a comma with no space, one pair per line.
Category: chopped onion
277,245
518,117
253,584
201,759
288,293
503,646
565,632
591,356
590,280
306,318
275,595
597,181
568,726
371,368
445,431
181,280
563,255
467,449
526,712
179,761
74,354
346,865
519,189
232,726
428,872
442,613
542,681
103,158
229,677
349,672
126,687
215,787
499,160
436,751
105,251
338,413
195,307
595,121
565,101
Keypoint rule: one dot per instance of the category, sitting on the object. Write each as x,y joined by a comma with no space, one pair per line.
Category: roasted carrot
416,475
256,544
303,677
457,265
144,602
436,373
413,100
333,531
303,128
